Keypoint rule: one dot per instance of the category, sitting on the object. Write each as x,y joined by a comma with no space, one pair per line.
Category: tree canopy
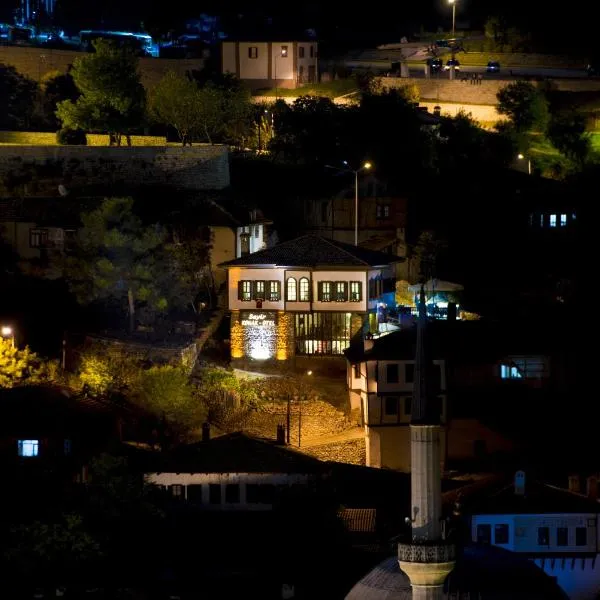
525,105
112,97
118,257
19,367
17,98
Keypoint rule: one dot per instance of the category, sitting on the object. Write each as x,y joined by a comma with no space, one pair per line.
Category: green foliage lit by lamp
19,367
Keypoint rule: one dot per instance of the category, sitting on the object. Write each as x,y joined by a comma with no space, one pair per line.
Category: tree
118,257
17,99
56,87
177,101
525,105
19,367
166,392
566,132
112,97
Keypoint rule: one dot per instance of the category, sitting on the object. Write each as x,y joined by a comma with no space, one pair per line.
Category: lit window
355,291
510,372
341,291
284,51
245,291
29,448
252,52
563,220
325,291
177,491
291,290
304,290
274,291
501,533
552,220
259,290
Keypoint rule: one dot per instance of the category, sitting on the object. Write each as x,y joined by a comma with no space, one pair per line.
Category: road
508,72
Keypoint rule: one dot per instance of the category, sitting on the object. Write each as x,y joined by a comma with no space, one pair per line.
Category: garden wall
48,138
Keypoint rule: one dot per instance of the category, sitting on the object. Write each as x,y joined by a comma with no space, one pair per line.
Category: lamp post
366,166
453,2
523,157
7,332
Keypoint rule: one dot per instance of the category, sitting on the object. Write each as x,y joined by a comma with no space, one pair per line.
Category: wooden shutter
277,290
320,291
240,290
345,291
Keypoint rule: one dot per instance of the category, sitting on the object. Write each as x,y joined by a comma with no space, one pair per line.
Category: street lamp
453,2
366,166
523,157
7,332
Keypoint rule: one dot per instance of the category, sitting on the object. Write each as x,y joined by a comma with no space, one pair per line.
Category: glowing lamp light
520,156
367,165
6,331
258,351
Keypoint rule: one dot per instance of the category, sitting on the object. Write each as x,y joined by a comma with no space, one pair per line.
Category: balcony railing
439,552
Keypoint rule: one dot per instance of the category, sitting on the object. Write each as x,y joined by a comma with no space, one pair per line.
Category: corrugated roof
313,251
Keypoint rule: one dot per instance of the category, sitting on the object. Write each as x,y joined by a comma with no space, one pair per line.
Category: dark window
484,534
386,211
479,448
68,447
325,291
407,405
244,244
267,493
177,491
274,291
252,52
194,494
357,370
232,493
38,238
391,406
355,291
312,51
391,373
324,211
214,493
245,291
259,290
252,493
543,536
322,332
304,290
300,51
580,536
383,211
436,376
562,536
501,534
409,373
378,211
256,231
341,291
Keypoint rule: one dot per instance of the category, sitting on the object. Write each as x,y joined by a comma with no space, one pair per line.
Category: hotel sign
258,319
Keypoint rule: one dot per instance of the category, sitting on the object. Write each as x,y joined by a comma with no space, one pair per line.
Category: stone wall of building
43,168
48,138
36,62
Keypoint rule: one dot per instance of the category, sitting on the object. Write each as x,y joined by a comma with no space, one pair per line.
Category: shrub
71,137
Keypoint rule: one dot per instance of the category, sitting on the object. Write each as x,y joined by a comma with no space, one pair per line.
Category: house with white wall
555,528
269,64
305,297
234,472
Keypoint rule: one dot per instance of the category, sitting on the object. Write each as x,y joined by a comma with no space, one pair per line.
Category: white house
555,528
267,64
233,472
308,297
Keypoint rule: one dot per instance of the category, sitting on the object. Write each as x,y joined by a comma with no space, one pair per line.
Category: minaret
428,559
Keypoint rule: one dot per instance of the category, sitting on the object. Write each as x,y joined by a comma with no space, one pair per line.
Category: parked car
453,62
493,67
435,64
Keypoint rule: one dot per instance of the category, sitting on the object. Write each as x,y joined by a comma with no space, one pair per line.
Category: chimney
592,487
520,483
575,484
368,342
205,432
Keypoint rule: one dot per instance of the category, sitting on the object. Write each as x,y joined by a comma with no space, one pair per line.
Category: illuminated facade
305,297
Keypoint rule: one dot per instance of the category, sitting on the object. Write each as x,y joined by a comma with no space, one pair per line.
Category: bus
141,43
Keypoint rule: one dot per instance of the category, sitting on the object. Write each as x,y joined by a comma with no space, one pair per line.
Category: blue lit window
29,448
509,372
563,220
552,220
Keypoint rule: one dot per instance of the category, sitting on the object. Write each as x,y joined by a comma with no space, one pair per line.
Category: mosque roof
483,572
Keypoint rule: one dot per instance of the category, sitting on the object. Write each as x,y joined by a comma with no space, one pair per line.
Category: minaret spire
428,559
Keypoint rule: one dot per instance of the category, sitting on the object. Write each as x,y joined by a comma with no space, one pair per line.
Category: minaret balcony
427,552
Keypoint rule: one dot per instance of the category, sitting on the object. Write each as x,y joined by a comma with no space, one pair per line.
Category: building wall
228,60
17,235
578,577
223,249
237,274
257,239
224,479
464,433
201,167
36,62
347,276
